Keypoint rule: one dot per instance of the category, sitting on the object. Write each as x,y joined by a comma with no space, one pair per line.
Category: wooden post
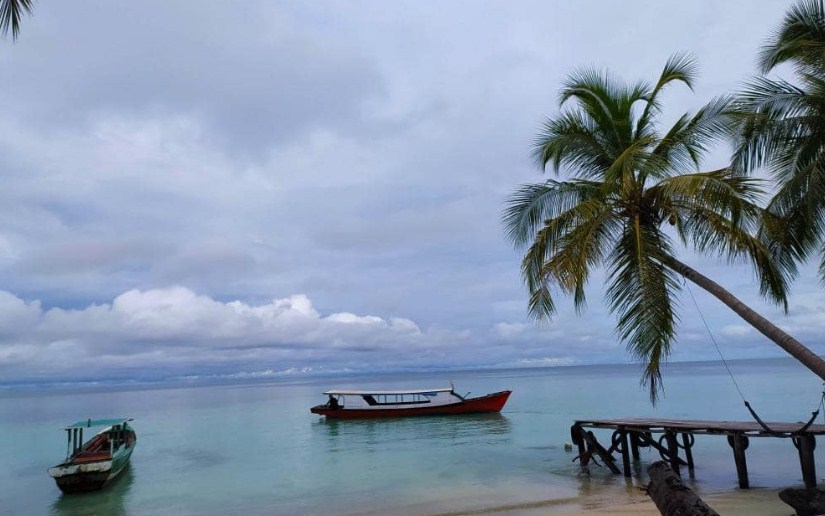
687,441
577,436
673,451
599,450
634,445
663,451
625,453
580,443
739,442
807,443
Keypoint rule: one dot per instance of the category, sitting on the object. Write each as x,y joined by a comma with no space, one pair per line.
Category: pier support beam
577,435
624,448
593,446
687,444
806,444
739,443
663,435
673,451
634,445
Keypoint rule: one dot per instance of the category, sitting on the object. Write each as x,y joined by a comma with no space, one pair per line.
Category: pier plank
752,428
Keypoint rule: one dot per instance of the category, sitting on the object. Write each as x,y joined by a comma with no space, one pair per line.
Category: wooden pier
676,438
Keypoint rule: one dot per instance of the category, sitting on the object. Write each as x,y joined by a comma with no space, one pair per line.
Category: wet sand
736,503
753,502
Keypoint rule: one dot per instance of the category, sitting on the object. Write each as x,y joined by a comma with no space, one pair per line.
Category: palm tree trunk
795,348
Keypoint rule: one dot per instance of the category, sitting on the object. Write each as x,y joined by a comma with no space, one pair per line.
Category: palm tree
11,11
630,192
782,128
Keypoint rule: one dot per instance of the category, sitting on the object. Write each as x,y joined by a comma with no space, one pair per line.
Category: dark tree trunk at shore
671,496
806,502
795,348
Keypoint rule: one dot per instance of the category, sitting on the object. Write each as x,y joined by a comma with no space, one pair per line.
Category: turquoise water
256,449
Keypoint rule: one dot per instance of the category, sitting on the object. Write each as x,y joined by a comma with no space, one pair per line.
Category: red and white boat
345,404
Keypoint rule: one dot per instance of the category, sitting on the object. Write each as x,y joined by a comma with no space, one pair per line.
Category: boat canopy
88,423
376,393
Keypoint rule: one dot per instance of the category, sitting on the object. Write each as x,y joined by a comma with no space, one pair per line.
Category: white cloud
548,362
143,330
509,330
736,330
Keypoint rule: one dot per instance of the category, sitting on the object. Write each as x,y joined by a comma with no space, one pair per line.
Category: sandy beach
750,502
736,503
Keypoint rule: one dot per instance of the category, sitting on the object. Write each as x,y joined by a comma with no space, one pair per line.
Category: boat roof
377,392
88,423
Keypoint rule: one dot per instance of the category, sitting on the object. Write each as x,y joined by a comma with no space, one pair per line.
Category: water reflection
368,435
597,492
191,458
109,501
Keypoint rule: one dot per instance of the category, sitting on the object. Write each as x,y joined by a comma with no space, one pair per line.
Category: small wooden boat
429,402
91,465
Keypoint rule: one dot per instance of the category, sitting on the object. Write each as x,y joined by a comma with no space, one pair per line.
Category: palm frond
680,67
548,263
772,116
11,12
629,168
690,138
719,190
572,140
607,101
718,213
528,209
640,291
582,247
794,224
713,233
800,39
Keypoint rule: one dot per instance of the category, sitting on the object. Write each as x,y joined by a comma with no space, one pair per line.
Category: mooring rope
764,426
713,339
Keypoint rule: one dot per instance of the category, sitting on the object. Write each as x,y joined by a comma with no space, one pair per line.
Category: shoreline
745,502
742,502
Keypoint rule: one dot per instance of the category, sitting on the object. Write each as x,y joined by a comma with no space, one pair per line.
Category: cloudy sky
199,188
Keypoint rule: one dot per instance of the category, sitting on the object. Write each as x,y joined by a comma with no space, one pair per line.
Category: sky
256,189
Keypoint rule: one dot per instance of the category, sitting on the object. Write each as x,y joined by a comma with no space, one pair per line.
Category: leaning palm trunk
795,348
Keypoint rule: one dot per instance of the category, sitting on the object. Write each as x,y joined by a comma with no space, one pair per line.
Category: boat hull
483,404
83,482
90,476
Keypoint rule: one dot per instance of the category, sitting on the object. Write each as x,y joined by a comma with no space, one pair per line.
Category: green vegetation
632,191
11,11
783,130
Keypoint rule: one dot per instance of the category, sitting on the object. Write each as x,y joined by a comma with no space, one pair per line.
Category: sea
253,447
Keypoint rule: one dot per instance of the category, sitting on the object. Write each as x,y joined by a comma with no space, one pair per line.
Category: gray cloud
357,155
251,76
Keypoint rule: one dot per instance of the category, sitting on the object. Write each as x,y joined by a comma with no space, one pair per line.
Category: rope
713,339
764,426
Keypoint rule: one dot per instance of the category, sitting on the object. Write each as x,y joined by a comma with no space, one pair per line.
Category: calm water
256,449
